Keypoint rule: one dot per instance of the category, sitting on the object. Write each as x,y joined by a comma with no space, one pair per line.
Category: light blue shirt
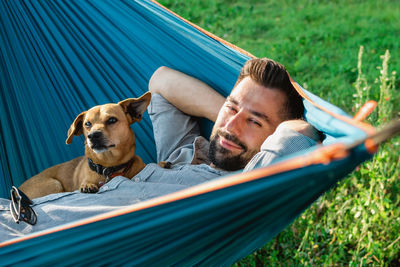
178,140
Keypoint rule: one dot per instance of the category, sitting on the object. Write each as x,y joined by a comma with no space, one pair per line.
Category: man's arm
289,137
188,94
302,127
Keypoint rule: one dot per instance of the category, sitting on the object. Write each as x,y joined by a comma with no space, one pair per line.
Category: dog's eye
88,124
112,120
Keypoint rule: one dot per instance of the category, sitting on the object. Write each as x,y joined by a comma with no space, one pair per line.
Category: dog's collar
110,172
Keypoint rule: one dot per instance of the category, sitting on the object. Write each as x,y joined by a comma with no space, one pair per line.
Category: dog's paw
165,164
89,188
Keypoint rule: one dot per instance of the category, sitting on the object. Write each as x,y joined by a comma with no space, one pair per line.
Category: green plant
357,223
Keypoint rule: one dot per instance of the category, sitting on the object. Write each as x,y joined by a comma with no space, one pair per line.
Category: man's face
249,115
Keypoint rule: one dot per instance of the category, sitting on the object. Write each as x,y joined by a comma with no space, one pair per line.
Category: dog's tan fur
119,148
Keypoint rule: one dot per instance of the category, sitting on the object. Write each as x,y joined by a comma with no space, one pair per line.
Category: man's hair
274,76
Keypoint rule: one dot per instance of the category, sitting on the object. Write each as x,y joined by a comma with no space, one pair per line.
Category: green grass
358,222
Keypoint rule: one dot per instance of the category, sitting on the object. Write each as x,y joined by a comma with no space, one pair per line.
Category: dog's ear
76,128
135,107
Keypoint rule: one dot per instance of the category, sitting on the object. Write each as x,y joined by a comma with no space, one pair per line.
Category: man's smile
229,145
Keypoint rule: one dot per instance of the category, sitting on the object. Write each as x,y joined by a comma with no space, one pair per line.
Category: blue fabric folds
59,58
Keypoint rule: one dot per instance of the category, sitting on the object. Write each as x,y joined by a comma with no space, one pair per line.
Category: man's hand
188,94
302,127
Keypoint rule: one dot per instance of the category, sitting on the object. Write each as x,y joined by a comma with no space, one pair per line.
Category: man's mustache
232,138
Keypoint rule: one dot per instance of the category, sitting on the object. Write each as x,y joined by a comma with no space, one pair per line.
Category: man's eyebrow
260,115
231,99
255,113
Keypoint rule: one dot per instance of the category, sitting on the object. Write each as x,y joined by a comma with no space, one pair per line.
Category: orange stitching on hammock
322,155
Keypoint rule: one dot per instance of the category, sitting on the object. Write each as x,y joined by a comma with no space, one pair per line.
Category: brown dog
109,150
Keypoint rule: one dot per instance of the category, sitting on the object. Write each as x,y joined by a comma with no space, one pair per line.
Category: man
263,97
245,135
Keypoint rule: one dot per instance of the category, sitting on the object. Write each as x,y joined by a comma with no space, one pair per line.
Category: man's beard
222,158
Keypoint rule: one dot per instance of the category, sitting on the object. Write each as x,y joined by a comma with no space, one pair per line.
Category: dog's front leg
87,187
90,183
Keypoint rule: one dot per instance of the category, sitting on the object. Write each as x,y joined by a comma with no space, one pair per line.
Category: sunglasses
20,207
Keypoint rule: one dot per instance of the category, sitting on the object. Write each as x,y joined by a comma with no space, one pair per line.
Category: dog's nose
95,135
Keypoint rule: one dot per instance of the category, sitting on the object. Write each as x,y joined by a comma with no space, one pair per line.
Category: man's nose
235,124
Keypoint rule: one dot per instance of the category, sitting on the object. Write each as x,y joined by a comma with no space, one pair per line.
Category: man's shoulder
283,142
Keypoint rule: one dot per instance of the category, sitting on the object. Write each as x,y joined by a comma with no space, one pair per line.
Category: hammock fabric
61,57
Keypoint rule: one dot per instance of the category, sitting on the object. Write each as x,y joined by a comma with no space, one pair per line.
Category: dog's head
107,127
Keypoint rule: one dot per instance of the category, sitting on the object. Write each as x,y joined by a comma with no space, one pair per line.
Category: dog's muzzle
97,142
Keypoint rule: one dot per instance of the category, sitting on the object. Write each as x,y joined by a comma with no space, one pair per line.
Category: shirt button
137,179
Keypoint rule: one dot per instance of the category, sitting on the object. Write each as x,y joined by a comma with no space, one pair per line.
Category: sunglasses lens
28,215
20,207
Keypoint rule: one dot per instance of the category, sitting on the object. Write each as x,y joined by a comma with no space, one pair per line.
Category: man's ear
135,107
76,127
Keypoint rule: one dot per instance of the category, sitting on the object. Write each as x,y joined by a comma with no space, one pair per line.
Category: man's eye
112,120
231,109
255,122
88,124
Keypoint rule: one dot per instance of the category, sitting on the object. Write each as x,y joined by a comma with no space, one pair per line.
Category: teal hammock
61,57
